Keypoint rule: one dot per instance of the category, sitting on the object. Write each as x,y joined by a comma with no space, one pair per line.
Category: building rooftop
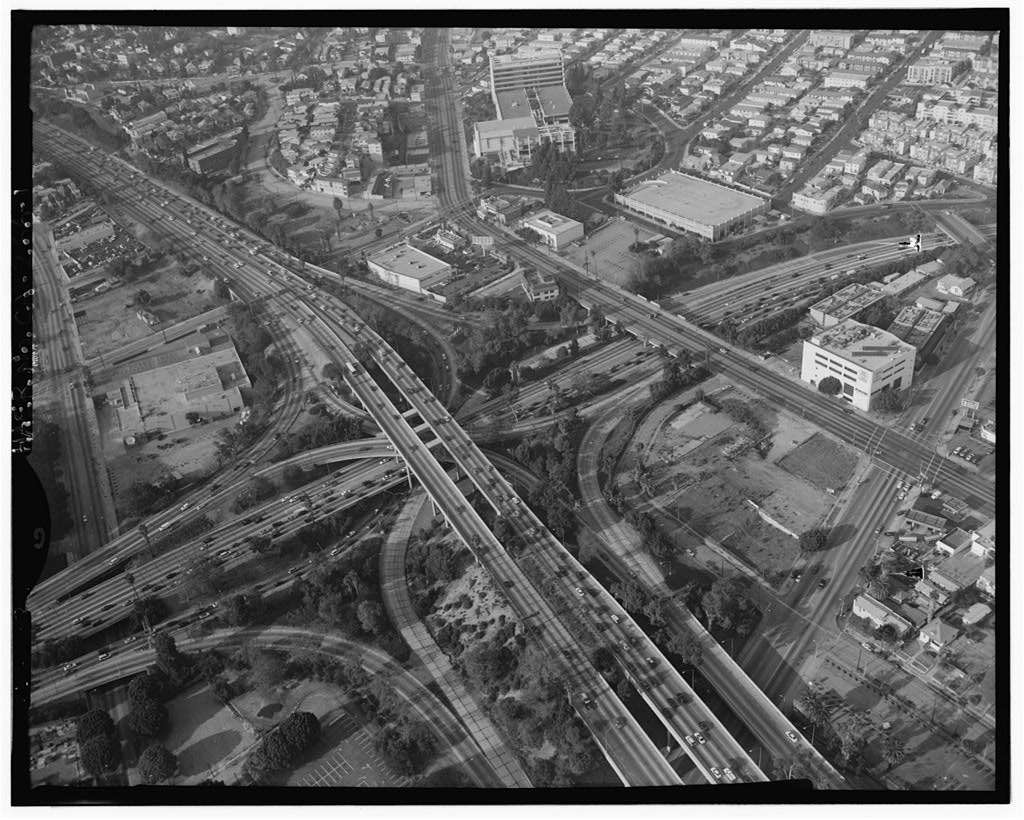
554,100
976,613
551,222
938,631
915,325
868,346
406,260
505,126
850,300
691,198
513,104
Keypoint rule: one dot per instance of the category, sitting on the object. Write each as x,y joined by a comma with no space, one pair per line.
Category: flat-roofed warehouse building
847,303
691,204
864,359
410,268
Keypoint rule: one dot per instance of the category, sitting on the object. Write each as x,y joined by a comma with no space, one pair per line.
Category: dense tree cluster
156,764
174,664
406,746
346,595
284,745
99,748
501,337
830,386
727,606
143,498
813,540
675,376
81,122
147,715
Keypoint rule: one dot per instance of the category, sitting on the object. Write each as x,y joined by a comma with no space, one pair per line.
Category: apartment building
933,72
555,230
864,359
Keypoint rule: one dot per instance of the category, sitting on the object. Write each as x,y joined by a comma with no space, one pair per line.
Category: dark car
823,583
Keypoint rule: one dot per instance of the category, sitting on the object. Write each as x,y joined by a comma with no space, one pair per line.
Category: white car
792,736
690,740
716,773
729,775
579,592
184,506
700,738
616,618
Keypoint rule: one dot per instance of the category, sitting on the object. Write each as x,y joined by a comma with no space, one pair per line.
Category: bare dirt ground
473,604
111,318
821,462
696,474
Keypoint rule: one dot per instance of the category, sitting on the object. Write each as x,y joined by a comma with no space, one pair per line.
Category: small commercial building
958,286
864,359
920,327
865,606
410,268
539,286
555,230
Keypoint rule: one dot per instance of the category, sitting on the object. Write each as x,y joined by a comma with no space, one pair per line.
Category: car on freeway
131,639
103,656
78,620
293,570
112,561
85,518
700,738
646,686
184,506
691,741
716,773
651,661
619,722
878,529
823,583
69,667
335,551
728,774
616,618
579,591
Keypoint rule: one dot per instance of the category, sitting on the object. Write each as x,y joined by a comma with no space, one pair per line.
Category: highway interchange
421,435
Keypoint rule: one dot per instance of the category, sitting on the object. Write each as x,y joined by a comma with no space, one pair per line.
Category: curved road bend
444,725
748,702
395,588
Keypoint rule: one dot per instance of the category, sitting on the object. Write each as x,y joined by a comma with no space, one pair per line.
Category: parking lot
351,760
612,260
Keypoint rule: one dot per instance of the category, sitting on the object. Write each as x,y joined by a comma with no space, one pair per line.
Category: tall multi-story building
510,73
864,359
532,105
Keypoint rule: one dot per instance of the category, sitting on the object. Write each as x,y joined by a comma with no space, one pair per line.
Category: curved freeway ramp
399,605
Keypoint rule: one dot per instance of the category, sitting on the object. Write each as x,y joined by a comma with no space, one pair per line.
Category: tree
142,688
96,723
687,647
888,401
814,705
830,386
813,540
894,751
371,617
147,717
887,634
267,669
630,594
100,754
156,764
244,608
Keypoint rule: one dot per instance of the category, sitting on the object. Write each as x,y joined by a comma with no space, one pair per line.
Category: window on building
897,382
847,389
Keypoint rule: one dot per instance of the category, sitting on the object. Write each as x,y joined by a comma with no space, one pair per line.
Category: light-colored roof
939,631
552,223
408,261
691,198
868,346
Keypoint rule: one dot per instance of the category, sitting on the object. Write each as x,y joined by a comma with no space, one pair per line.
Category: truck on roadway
352,367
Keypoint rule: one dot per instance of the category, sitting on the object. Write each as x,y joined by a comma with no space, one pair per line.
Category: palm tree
815,707
894,751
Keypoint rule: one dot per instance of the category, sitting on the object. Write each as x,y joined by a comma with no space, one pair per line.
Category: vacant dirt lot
821,461
700,467
110,318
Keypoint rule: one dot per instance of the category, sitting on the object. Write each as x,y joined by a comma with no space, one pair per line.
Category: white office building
864,359
555,230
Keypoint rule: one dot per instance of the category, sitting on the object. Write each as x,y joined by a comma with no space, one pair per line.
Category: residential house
937,635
